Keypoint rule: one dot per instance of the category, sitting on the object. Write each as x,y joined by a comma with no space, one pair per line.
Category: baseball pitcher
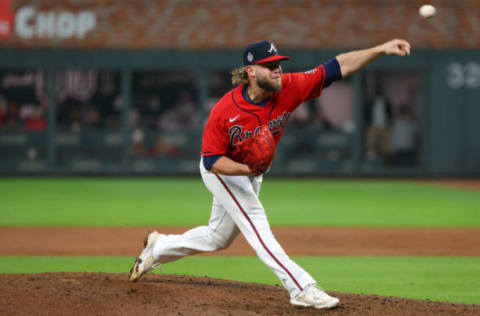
238,147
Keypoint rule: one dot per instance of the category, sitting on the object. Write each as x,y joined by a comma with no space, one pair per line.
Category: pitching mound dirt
112,294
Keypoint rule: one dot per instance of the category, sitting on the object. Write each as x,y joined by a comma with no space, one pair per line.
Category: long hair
239,76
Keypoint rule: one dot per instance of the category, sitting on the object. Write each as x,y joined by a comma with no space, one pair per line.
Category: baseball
427,11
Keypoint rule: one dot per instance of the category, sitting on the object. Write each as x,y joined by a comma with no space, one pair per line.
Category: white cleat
312,296
145,261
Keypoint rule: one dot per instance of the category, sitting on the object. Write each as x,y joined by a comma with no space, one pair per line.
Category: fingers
404,46
398,47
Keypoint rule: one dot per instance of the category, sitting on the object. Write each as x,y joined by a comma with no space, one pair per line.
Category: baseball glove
256,152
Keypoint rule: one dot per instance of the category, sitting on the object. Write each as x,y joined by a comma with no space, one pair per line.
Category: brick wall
307,24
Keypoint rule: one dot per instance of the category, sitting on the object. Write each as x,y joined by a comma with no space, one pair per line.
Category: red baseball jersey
234,118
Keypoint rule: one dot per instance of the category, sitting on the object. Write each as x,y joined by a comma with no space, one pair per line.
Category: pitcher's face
269,76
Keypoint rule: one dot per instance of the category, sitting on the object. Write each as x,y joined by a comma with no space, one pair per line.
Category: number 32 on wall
463,75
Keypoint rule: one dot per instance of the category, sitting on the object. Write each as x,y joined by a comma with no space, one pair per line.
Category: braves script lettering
275,125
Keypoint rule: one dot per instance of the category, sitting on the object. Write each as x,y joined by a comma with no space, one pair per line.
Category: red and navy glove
257,152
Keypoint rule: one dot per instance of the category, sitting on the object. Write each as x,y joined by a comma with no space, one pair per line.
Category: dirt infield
112,294
464,184
319,241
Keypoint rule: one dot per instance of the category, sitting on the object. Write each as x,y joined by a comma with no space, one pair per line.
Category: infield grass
186,202
452,279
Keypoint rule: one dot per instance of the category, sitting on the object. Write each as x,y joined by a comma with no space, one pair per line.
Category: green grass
186,202
453,279
292,202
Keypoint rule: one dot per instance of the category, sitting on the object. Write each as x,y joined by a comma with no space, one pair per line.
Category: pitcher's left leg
219,234
160,248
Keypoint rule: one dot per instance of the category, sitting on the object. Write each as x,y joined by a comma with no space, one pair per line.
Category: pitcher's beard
269,86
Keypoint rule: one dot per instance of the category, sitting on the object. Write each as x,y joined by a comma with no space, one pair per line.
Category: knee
222,244
224,239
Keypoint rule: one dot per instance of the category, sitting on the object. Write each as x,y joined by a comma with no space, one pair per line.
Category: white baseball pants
236,208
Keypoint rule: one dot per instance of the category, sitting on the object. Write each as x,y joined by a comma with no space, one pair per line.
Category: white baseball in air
427,11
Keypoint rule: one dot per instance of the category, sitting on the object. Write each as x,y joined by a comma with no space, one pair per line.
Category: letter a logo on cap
6,18
272,49
261,52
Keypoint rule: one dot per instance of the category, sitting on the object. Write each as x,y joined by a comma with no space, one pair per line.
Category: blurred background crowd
167,102
148,111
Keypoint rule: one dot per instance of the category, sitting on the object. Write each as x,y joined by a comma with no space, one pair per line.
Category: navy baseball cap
261,52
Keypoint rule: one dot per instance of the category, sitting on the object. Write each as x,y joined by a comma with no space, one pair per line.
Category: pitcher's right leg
237,196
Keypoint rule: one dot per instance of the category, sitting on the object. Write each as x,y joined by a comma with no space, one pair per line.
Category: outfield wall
132,84
196,24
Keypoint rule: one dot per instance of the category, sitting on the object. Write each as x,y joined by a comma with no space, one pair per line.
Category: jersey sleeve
215,139
306,85
333,72
309,84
